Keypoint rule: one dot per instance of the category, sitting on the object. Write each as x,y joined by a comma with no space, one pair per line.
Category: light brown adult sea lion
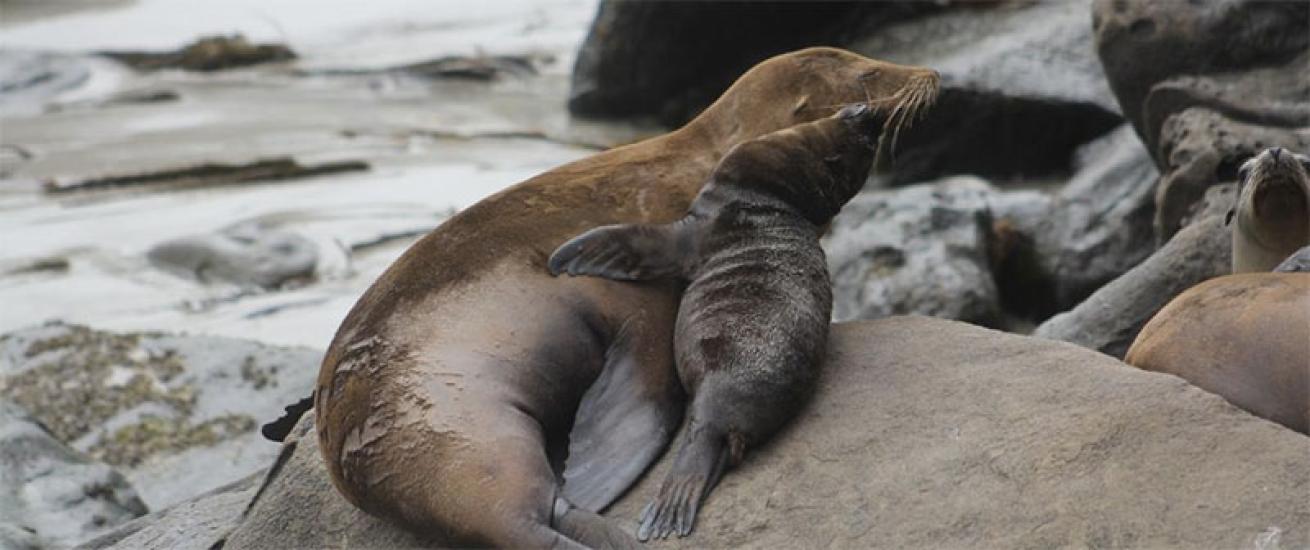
752,326
1245,337
470,393
1271,219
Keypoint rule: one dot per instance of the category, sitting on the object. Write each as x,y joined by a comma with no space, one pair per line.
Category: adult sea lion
470,393
1271,219
752,326
1245,337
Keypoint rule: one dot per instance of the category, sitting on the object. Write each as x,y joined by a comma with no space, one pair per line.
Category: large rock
1206,85
932,433
1201,148
250,254
1109,320
177,414
671,59
995,117
1142,44
51,495
1099,226
196,524
1021,89
921,249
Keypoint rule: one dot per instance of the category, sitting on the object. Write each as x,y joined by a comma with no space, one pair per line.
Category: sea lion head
1272,213
814,83
815,167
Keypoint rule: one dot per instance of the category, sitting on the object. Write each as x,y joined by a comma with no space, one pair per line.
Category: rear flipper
277,430
625,252
701,461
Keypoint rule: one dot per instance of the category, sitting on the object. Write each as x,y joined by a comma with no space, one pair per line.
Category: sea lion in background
1272,215
463,377
1245,337
752,327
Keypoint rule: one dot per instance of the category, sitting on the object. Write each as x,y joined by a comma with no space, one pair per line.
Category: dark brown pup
470,394
752,327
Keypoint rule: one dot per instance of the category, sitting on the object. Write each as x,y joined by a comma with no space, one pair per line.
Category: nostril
1275,151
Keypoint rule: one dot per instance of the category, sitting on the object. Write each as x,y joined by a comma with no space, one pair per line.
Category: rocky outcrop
1298,262
671,59
993,118
211,53
51,495
932,433
250,254
1109,320
922,249
196,524
1206,85
177,414
1099,225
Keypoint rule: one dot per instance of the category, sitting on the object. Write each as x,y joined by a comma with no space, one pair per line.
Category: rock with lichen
178,414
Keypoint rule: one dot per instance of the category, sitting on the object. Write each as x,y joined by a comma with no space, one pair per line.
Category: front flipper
624,252
626,418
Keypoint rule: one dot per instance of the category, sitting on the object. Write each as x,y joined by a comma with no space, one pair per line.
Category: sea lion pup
1271,219
1245,337
471,396
753,324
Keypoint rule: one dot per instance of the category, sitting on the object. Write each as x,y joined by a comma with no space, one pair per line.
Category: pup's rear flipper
700,462
625,419
624,252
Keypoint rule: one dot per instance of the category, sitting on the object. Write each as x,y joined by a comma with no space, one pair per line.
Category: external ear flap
624,252
801,104
1228,219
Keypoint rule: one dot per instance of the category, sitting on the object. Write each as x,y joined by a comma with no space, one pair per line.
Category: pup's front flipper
635,252
700,462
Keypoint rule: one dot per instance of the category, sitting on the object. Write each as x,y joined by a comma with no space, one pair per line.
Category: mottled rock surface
51,495
177,414
1109,319
921,249
1206,85
192,525
1100,223
932,433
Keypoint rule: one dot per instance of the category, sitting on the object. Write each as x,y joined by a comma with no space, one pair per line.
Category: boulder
1201,148
1142,44
176,413
249,254
196,524
921,249
933,433
993,118
51,495
671,59
1206,85
1099,226
1108,321
1298,262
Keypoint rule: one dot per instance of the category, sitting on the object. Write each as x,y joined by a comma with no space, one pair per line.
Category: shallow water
434,146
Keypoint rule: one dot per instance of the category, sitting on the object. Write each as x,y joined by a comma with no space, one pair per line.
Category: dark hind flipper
625,419
624,252
277,430
700,462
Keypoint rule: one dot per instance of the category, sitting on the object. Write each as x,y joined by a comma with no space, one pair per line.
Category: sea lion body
462,378
752,327
1245,337
1272,217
